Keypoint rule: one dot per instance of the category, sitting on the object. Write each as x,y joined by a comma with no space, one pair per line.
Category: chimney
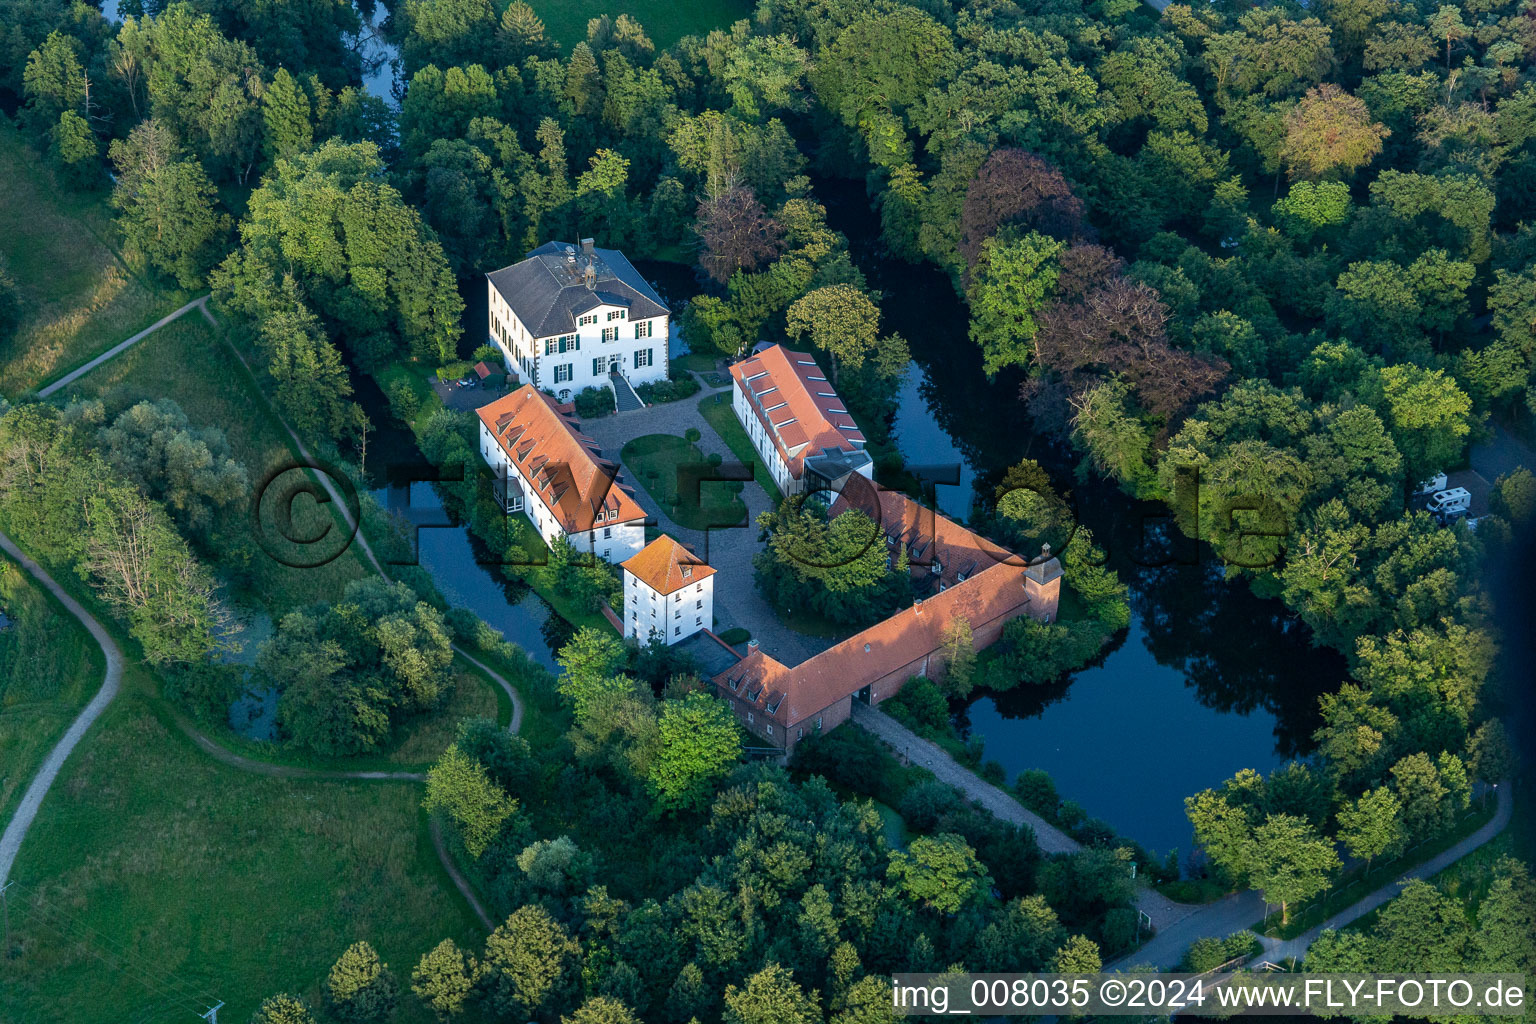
751,646
586,247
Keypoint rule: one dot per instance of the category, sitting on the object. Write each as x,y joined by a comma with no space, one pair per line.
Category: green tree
591,659
1506,921
1515,496
445,979
1290,861
1423,794
1013,279
771,996
478,808
959,649
191,470
54,83
601,1010
73,148
283,1009
532,965
287,119
841,320
700,743
1330,133
1372,825
360,987
169,207
1080,955
1429,416
940,872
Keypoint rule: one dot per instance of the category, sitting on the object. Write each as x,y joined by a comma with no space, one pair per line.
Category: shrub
594,402
403,400
920,706
454,370
667,390
715,458
994,773
1037,791
925,803
692,435
1209,953
485,353
736,635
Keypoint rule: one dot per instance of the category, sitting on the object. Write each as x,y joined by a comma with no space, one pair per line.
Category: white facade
675,616
742,403
605,339
612,541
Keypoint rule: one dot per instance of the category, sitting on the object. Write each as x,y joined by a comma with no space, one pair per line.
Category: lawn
717,411
188,362
665,466
665,21
155,875
80,297
49,668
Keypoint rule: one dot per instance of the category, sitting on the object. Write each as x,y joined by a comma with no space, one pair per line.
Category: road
123,346
1177,924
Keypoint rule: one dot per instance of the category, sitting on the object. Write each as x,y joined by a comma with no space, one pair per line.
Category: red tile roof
666,566
797,406
565,467
790,695
482,371
932,541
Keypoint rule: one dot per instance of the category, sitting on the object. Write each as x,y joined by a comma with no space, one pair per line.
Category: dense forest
1273,265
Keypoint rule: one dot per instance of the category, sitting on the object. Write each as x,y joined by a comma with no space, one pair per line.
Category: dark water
454,559
1208,679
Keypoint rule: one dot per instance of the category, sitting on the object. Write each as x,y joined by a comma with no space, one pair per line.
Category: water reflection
1207,680
453,557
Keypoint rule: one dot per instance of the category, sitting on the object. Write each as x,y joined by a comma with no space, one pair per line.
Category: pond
1207,680
458,565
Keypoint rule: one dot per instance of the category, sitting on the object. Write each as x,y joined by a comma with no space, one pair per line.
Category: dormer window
687,571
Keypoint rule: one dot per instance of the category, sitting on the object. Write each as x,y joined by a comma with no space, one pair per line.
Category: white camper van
1456,501
1433,484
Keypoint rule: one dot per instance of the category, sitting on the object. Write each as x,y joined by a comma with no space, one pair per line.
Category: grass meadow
80,296
155,875
49,668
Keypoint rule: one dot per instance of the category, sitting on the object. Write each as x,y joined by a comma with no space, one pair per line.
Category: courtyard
628,436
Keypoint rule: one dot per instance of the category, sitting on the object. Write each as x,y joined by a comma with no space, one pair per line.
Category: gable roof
797,406
562,465
932,541
548,289
790,695
666,566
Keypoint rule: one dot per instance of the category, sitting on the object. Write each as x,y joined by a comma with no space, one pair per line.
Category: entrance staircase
624,395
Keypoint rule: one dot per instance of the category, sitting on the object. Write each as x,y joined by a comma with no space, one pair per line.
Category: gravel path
123,346
16,830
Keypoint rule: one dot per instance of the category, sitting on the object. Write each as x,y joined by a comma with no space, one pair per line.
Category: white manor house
567,319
